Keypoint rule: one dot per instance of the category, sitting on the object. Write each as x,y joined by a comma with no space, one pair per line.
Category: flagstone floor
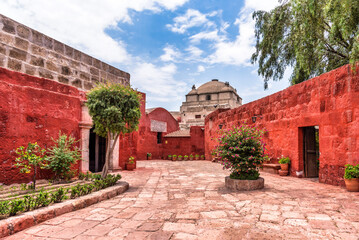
187,200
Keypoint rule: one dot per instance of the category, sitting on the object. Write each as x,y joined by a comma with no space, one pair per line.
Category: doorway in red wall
97,149
311,151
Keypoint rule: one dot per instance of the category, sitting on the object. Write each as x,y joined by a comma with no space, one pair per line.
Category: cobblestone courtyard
187,200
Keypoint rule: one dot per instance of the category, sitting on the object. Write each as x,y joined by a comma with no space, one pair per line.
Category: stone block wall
34,109
185,145
25,50
330,101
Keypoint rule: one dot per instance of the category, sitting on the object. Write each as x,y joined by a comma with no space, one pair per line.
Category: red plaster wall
143,141
185,145
330,101
33,109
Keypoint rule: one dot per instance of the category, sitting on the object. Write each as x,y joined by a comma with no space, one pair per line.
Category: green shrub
351,171
284,160
59,195
241,150
16,206
31,158
42,199
62,155
4,207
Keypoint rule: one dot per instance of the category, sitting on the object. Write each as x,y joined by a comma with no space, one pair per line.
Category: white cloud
239,51
210,36
158,82
82,24
195,53
200,68
170,54
192,18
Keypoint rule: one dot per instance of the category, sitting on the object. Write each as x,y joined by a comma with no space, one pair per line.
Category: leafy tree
31,158
310,36
62,155
114,109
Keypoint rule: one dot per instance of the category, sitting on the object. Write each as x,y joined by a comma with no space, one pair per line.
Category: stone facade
25,50
329,101
206,99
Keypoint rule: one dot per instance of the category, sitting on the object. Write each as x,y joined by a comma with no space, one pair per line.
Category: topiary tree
241,150
114,109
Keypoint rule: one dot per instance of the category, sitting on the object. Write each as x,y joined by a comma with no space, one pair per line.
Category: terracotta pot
149,158
185,158
179,158
170,158
197,158
202,158
352,184
284,167
174,158
282,173
191,158
130,167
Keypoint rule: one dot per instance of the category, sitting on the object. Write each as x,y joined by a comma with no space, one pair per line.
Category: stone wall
34,109
194,144
25,50
330,101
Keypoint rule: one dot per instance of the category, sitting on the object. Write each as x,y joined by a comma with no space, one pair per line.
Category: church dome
215,86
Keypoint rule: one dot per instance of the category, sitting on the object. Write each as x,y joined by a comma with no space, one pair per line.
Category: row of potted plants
185,157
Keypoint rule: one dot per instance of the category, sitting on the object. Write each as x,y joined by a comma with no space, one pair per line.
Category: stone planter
244,185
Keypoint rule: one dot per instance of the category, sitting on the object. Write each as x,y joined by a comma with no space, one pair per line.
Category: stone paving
187,200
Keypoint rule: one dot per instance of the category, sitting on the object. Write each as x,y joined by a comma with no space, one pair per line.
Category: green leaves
351,171
62,155
114,108
309,36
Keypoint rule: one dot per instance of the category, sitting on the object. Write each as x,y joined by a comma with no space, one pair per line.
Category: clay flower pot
352,184
174,158
191,158
284,167
185,158
130,166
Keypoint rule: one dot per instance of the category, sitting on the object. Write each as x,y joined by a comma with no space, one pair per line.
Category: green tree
62,155
114,109
31,158
310,36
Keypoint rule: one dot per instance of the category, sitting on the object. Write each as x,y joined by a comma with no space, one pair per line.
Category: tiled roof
179,133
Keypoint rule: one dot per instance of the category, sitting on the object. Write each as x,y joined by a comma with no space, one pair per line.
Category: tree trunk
34,177
109,151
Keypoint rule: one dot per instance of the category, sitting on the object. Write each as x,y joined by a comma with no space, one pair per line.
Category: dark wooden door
97,153
310,153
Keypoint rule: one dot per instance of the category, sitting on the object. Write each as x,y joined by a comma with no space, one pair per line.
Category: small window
208,97
159,137
198,116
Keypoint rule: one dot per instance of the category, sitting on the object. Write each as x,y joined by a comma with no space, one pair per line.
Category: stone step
271,168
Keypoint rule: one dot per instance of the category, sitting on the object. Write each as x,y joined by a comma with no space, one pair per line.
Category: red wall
330,101
144,141
33,110
185,145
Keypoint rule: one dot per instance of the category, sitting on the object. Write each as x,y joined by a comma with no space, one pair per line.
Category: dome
215,86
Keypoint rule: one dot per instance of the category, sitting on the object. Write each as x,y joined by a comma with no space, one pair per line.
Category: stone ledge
25,220
271,168
244,185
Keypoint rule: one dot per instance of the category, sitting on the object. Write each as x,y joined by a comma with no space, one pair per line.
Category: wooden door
310,153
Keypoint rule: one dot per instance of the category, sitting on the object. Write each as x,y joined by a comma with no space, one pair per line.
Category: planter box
244,185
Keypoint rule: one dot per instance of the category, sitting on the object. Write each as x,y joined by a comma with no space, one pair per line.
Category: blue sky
166,45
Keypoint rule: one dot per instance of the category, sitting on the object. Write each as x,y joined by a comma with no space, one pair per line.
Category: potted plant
196,157
351,177
174,157
130,165
191,157
284,165
241,150
202,157
179,157
149,156
185,157
169,157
